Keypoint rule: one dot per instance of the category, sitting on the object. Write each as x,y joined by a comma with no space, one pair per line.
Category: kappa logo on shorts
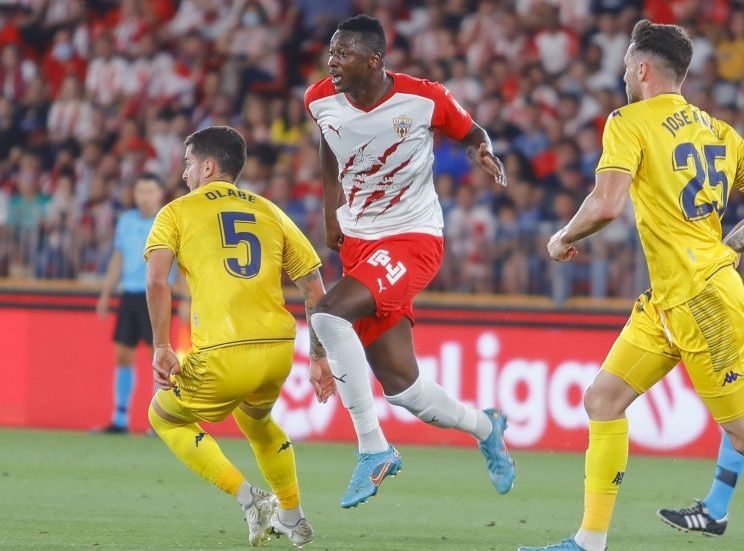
199,437
618,478
381,257
731,377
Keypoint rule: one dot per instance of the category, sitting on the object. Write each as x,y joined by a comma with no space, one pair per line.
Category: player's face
632,86
348,61
148,196
192,169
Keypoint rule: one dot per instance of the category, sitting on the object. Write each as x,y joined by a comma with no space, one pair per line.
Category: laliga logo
670,415
297,410
539,393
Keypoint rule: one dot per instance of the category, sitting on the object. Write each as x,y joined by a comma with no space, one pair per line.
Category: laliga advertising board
535,372
535,375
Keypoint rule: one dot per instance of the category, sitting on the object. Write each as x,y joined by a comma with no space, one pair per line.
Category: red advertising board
57,367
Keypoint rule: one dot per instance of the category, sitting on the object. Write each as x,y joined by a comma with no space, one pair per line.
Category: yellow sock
274,455
199,452
606,460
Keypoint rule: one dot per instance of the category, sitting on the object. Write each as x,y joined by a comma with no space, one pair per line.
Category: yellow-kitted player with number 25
679,165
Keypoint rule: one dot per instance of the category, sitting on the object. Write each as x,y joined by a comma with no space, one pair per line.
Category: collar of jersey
383,99
214,182
669,95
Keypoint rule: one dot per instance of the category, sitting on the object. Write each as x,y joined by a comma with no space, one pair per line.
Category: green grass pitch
62,490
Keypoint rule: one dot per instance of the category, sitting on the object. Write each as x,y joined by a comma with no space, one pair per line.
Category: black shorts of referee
133,321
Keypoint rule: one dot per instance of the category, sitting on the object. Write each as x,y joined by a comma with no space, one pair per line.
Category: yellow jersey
232,245
683,163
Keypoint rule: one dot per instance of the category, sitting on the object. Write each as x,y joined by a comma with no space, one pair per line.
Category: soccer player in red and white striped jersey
383,216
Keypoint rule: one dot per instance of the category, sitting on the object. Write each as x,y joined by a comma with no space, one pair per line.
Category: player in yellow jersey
679,165
232,246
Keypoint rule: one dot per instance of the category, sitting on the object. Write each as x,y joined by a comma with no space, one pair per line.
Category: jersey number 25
691,207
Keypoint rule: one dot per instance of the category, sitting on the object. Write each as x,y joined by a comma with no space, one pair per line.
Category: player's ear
642,71
208,168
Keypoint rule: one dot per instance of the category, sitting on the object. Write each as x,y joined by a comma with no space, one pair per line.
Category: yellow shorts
706,333
212,383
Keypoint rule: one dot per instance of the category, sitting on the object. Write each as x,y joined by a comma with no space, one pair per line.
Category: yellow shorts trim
212,383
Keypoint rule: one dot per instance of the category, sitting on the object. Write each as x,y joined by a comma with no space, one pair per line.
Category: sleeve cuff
303,274
613,167
155,247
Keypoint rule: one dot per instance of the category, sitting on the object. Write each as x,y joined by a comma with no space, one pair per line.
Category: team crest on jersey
402,125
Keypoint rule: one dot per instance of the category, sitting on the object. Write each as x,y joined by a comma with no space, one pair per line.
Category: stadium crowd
94,93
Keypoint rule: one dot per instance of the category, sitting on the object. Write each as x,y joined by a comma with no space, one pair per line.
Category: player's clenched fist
559,249
164,364
334,237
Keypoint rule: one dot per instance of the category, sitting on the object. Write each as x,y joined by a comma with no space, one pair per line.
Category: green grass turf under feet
61,490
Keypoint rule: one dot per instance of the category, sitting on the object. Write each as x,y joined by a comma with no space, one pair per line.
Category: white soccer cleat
258,515
299,534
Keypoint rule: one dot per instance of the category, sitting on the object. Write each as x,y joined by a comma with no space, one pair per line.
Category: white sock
245,496
591,541
429,402
290,517
348,363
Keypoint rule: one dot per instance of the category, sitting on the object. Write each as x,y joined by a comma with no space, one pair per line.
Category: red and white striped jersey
385,154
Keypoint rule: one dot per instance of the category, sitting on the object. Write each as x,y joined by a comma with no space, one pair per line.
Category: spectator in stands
15,73
10,134
469,231
26,212
57,256
107,74
70,116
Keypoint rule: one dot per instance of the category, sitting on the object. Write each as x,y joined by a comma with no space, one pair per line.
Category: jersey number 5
231,239
693,209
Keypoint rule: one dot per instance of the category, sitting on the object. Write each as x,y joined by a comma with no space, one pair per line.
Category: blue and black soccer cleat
569,544
371,469
501,469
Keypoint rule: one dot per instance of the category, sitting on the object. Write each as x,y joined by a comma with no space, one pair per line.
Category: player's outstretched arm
601,206
164,360
332,195
477,144
311,287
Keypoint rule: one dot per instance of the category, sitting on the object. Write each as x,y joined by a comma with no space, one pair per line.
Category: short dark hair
150,176
372,34
670,43
224,144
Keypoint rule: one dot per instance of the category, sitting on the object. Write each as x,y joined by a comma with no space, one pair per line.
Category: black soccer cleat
695,519
112,429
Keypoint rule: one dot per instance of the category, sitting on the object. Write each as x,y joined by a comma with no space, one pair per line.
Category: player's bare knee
328,305
124,355
323,306
601,405
394,383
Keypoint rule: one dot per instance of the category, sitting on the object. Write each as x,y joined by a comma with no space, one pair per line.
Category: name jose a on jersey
385,154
